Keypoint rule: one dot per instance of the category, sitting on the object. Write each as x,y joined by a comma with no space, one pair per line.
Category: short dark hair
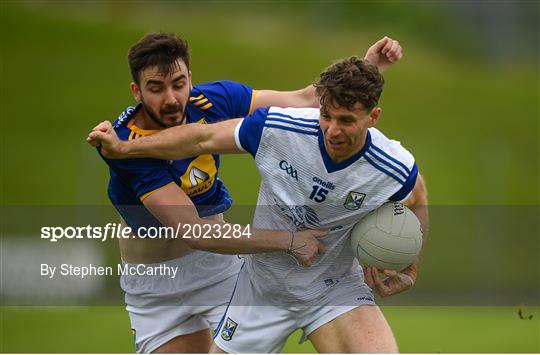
160,50
349,81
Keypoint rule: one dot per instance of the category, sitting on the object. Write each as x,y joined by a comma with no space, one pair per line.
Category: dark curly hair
160,50
349,81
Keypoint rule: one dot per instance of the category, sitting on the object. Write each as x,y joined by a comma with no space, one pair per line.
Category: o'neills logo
328,184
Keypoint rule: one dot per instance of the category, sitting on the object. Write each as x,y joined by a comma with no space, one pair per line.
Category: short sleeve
143,176
403,193
227,99
248,132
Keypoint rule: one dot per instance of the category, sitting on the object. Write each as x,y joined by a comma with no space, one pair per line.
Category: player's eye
347,121
154,89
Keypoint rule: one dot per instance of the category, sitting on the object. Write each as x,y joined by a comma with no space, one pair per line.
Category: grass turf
417,329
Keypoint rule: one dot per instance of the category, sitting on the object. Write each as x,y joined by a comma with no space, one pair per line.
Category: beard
158,118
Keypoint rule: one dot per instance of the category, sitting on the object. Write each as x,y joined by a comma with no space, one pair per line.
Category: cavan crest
354,200
228,329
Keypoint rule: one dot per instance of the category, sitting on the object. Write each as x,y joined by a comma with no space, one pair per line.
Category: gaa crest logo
354,200
228,329
288,168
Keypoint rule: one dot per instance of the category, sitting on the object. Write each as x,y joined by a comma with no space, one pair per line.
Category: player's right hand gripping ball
389,238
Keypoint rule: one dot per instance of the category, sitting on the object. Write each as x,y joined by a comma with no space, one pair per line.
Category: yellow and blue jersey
133,180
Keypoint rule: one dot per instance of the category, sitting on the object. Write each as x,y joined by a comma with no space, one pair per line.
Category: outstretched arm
382,54
171,206
176,143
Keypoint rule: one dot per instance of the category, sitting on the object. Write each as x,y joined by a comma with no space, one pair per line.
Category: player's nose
333,130
170,98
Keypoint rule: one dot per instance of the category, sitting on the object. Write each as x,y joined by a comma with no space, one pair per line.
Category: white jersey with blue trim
302,188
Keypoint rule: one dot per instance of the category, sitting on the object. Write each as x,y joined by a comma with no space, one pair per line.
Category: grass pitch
417,329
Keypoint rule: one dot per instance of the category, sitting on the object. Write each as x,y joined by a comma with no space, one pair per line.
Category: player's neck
339,159
143,121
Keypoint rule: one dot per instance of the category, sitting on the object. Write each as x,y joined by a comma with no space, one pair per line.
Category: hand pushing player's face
164,97
345,131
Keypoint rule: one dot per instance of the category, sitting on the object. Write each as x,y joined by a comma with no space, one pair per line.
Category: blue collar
330,165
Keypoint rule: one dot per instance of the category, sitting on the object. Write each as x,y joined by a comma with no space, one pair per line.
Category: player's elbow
421,191
307,97
418,195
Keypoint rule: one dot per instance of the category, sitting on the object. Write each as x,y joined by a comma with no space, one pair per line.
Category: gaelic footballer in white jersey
303,188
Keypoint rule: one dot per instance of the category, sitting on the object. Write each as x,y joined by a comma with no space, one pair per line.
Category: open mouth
335,144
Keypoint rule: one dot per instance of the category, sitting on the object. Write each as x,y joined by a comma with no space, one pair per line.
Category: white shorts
162,307
252,325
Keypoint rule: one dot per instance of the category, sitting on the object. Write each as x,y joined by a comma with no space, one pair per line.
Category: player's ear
374,116
136,91
190,81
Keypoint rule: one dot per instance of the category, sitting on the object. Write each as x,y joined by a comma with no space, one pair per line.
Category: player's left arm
418,204
174,143
382,54
397,282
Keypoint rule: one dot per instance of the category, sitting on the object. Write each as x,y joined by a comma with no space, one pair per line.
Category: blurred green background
464,100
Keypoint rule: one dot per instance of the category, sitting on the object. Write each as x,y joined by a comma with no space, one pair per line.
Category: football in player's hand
388,238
